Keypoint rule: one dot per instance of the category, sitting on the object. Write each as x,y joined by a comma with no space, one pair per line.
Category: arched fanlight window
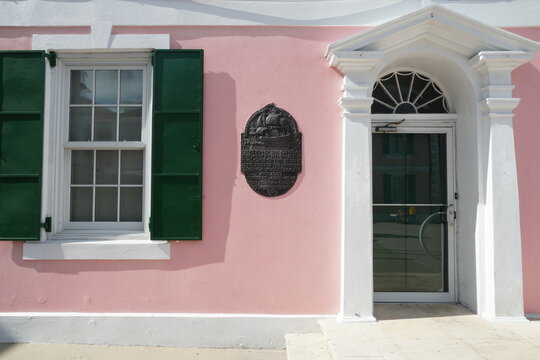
407,92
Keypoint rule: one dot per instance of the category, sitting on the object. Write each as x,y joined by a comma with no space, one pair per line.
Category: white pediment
437,25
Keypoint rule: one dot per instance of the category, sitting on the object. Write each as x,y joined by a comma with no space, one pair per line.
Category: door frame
413,125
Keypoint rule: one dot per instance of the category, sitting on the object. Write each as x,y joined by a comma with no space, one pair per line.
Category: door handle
450,215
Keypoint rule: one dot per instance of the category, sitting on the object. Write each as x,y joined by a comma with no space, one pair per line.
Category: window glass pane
105,124
80,124
131,87
81,204
130,123
409,248
106,203
81,87
131,204
106,167
106,86
131,167
82,167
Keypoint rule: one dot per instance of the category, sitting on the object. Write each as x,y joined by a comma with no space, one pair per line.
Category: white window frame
102,241
68,146
59,137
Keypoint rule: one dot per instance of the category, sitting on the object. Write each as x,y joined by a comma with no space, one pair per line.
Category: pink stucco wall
527,134
258,255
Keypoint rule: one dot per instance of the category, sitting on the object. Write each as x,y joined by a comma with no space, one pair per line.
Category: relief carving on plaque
271,151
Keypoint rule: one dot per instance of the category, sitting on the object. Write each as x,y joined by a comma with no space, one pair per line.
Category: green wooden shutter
177,145
22,86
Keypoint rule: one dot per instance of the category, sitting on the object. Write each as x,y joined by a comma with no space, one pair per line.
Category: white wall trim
252,12
72,41
156,329
120,41
97,250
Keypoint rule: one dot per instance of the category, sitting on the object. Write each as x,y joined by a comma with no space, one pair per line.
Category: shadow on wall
343,15
527,79
418,311
220,161
6,341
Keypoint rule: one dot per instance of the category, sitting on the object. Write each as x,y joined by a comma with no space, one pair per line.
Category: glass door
413,217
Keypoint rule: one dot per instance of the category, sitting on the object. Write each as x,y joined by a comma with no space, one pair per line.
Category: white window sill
77,246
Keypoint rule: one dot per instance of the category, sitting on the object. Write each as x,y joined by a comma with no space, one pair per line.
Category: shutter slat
176,145
22,84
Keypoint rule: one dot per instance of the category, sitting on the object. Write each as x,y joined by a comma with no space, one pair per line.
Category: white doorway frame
474,62
426,124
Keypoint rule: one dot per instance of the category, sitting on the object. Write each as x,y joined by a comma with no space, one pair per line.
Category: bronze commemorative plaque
271,150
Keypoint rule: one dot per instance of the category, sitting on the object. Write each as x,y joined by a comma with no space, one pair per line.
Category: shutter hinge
152,57
456,196
150,223
52,58
47,225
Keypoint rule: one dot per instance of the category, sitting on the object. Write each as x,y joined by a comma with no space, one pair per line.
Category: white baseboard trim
159,329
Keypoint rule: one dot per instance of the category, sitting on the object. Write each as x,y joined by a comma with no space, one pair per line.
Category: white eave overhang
434,24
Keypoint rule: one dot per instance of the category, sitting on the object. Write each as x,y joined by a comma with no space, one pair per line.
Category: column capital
499,107
361,105
486,61
355,61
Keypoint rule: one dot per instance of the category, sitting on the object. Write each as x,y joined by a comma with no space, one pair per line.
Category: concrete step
307,346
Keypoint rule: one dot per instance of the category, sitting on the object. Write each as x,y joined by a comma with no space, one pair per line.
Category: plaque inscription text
271,151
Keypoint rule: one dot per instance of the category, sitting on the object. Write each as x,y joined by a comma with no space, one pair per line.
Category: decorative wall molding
156,329
107,41
252,12
440,26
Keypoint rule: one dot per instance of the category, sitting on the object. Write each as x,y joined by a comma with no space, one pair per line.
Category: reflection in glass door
411,214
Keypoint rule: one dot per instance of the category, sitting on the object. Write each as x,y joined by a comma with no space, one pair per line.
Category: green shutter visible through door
22,84
176,209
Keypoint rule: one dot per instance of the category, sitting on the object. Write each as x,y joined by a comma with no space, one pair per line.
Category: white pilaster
500,279
357,213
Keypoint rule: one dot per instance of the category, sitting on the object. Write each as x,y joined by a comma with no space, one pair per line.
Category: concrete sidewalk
99,352
431,332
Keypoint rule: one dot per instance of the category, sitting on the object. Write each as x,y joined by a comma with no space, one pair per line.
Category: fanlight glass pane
407,93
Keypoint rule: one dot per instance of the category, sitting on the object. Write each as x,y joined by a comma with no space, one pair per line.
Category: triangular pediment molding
437,25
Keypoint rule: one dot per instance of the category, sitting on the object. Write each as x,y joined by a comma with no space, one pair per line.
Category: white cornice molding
499,107
356,104
500,60
439,25
349,61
